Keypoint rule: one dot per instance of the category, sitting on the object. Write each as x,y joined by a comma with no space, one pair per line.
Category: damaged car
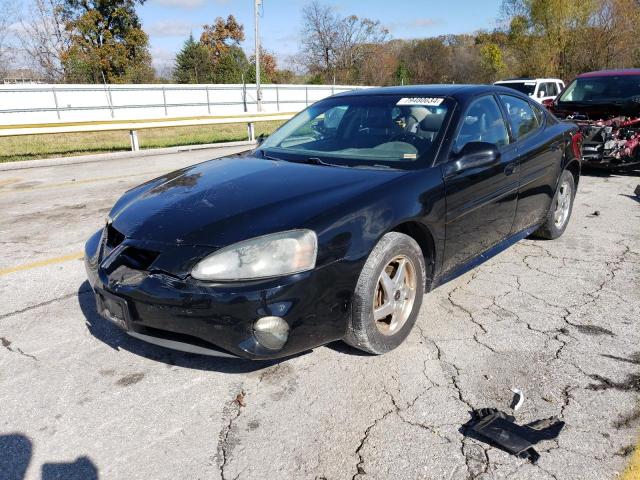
606,107
336,226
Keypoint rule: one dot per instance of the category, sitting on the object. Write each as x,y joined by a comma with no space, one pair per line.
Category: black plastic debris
500,430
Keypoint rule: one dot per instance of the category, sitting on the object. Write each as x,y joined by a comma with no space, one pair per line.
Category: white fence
27,105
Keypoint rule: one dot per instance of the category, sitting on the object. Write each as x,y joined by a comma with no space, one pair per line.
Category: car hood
223,201
596,111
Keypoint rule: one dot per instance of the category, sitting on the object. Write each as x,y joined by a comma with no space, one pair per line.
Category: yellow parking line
78,182
41,263
633,470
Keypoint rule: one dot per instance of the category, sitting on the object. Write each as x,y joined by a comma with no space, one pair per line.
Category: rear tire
388,295
559,213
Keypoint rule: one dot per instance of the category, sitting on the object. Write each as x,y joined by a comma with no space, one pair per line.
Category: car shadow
16,451
115,338
341,347
632,197
604,173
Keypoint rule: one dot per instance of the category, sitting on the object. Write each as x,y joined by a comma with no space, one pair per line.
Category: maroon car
606,107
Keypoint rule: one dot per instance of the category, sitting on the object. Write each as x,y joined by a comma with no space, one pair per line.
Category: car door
539,150
481,201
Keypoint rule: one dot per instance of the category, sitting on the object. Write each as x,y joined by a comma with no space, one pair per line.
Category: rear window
602,89
390,130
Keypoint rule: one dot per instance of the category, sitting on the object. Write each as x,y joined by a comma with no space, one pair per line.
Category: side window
521,116
333,116
325,126
482,122
552,89
537,111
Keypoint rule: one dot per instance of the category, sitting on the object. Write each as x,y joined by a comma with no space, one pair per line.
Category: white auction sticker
429,101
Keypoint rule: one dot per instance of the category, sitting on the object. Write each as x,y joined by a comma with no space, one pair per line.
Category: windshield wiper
268,157
316,161
375,166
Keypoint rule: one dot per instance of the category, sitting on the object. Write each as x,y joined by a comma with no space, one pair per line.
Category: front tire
559,213
388,295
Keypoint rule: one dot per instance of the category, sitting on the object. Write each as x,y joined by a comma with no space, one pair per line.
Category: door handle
509,169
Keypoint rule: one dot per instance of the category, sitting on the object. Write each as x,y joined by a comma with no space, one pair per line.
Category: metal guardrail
134,125
57,109
176,99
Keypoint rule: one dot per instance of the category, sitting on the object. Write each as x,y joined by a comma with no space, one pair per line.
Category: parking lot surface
80,399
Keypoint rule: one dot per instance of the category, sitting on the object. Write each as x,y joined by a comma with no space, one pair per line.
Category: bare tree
320,33
7,50
334,45
45,38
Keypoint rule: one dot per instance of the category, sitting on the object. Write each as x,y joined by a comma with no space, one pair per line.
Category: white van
539,89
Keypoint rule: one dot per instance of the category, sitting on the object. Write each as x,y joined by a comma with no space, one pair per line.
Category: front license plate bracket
113,308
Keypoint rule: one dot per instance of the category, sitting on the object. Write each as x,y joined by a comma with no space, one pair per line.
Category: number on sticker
430,101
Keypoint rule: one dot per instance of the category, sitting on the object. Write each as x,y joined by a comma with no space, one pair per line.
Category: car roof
457,91
611,73
520,80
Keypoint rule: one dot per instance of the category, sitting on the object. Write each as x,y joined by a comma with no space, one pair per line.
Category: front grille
114,237
137,258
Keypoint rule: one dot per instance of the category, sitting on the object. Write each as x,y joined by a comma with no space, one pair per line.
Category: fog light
271,332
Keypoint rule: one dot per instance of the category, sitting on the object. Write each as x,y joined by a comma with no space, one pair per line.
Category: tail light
576,144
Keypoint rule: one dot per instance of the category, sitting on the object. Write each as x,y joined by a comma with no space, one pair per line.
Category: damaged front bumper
611,144
217,319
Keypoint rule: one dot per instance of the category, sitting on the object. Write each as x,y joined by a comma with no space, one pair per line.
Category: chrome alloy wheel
394,295
563,204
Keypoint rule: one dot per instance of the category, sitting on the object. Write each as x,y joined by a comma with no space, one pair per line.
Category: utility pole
256,7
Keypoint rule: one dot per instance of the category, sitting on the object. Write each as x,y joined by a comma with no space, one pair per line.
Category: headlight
272,255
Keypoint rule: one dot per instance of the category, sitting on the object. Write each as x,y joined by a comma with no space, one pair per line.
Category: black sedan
337,224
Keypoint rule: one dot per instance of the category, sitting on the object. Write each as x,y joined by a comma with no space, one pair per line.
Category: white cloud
171,28
414,24
190,4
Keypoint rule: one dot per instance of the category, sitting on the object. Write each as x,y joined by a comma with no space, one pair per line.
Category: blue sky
168,22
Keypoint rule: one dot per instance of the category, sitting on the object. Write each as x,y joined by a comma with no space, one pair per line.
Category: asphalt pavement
81,400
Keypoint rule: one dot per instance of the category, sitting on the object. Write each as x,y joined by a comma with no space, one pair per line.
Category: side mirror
261,138
548,103
473,155
542,93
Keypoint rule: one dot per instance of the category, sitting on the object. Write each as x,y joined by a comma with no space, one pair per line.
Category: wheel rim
394,295
563,204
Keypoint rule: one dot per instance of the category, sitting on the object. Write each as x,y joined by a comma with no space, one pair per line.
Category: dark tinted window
537,111
524,87
394,130
550,89
602,89
520,112
483,122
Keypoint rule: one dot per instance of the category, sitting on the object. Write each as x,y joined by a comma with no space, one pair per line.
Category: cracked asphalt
79,399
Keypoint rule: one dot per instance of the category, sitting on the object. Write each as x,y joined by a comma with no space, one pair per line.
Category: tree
336,46
268,66
45,38
544,33
6,49
193,63
222,35
427,61
233,67
106,42
492,62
